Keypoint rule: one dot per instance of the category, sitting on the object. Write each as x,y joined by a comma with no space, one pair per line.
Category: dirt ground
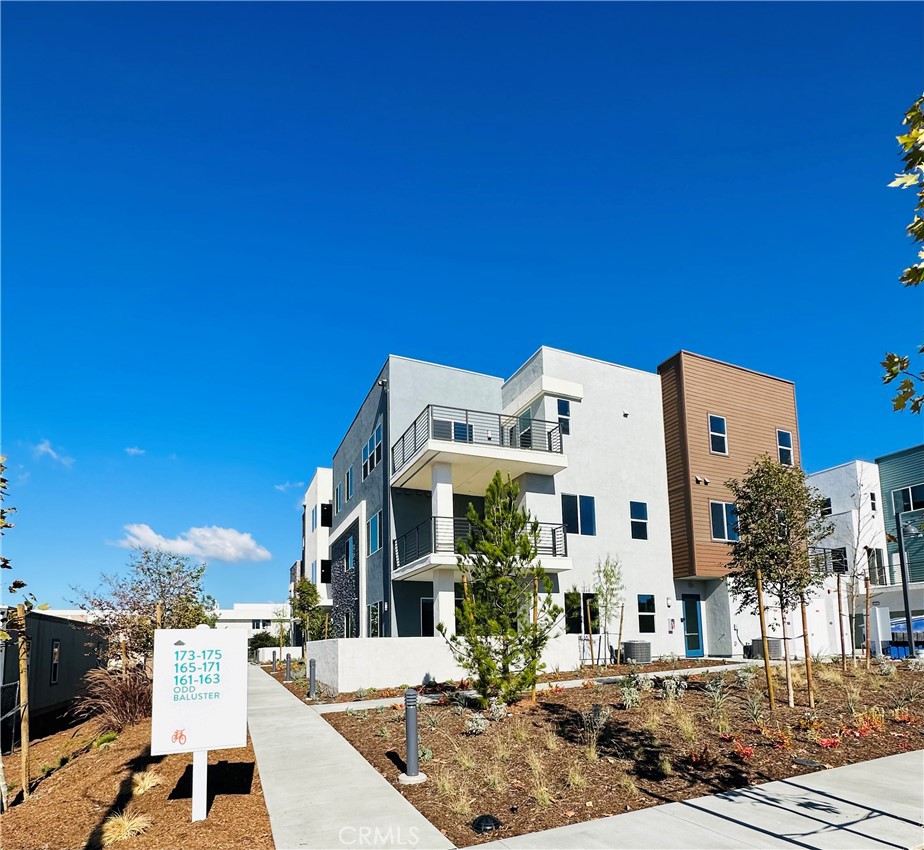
534,770
70,803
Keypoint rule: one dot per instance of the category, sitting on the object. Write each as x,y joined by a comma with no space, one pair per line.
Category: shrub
630,695
425,755
742,751
884,667
745,677
755,709
497,710
477,724
916,665
717,694
673,687
116,699
122,826
105,738
145,781
575,778
362,693
594,722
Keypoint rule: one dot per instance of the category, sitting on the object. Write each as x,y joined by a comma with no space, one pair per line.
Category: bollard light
312,685
412,776
288,677
274,660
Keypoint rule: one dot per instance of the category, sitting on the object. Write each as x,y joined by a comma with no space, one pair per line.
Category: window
578,514
374,533
348,625
374,620
348,484
372,452
724,521
784,446
909,498
576,604
646,613
877,573
718,435
314,572
255,624
338,499
426,617
564,415
325,571
872,502
314,517
327,515
350,553
55,660
266,624
638,513
839,560
826,507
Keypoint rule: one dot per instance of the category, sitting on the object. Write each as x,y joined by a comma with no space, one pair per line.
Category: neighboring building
718,418
316,522
902,478
257,617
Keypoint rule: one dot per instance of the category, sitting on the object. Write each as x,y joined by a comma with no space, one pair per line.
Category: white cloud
45,448
221,544
134,451
288,485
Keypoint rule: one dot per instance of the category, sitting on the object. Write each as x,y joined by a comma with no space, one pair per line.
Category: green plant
477,724
673,687
884,667
685,725
745,676
916,665
105,738
520,732
908,694
627,784
575,778
665,766
424,755
630,695
500,641
755,709
382,732
551,740
594,722
116,699
717,694
362,693
495,778
465,759
497,710
852,699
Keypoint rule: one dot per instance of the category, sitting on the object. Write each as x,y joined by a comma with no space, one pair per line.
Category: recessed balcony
434,544
476,444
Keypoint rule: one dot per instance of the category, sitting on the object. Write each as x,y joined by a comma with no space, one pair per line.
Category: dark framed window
338,499
579,514
569,513
427,626
724,521
784,446
872,501
325,571
327,515
349,625
374,533
372,452
350,553
909,498
564,415
646,613
638,515
348,484
373,622
55,660
826,507
255,624
588,515
718,435
839,560
576,613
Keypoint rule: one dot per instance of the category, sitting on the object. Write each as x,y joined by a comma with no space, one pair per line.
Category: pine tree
498,642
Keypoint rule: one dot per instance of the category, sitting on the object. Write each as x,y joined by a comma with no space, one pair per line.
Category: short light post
288,677
274,660
312,683
903,563
412,774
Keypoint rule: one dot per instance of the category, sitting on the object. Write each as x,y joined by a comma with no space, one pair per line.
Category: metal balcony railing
442,534
455,425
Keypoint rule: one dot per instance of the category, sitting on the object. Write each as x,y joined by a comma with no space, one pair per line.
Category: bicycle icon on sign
179,737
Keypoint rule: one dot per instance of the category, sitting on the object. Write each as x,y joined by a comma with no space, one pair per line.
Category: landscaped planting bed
580,753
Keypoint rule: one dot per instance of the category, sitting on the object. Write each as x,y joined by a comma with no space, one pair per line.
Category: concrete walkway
874,805
321,793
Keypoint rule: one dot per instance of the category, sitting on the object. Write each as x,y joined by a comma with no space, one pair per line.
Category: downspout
385,618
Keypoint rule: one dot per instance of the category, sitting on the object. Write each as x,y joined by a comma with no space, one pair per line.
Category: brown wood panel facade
754,407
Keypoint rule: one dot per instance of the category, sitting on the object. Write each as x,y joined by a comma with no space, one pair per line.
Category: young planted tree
503,623
778,519
609,589
306,609
159,586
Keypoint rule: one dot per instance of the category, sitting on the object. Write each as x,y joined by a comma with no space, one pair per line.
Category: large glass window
374,533
646,613
784,447
350,553
909,498
577,605
372,452
724,521
718,435
579,514
638,514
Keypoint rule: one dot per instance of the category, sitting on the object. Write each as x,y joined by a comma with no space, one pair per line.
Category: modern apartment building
901,475
317,516
718,418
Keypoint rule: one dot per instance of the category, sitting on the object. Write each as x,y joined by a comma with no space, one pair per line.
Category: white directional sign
200,690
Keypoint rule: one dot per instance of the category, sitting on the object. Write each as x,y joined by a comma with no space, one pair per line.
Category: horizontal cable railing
442,534
456,425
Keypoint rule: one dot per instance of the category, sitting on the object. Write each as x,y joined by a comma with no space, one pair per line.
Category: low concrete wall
349,664
265,653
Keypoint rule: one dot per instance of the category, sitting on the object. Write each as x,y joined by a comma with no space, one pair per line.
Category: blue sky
220,218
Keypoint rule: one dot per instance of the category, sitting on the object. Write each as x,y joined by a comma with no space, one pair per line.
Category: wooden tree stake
23,699
808,656
869,642
622,609
763,638
590,631
840,623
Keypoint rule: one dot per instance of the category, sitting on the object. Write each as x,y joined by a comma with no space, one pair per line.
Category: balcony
434,544
476,444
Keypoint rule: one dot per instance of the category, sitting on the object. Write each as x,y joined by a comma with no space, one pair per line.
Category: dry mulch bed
532,770
299,686
68,806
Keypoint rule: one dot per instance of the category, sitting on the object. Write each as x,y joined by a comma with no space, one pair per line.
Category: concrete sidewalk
320,792
876,804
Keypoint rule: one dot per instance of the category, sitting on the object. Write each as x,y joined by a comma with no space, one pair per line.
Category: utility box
774,648
880,630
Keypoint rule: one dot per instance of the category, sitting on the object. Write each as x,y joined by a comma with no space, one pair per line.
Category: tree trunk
23,699
763,640
622,610
590,631
789,695
808,656
4,790
869,643
840,623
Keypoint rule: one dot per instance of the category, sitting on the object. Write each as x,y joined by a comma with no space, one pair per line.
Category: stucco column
444,599
441,502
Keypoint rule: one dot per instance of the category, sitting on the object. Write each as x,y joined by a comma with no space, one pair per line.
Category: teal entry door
692,625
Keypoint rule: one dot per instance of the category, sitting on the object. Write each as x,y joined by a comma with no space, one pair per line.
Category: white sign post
200,697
